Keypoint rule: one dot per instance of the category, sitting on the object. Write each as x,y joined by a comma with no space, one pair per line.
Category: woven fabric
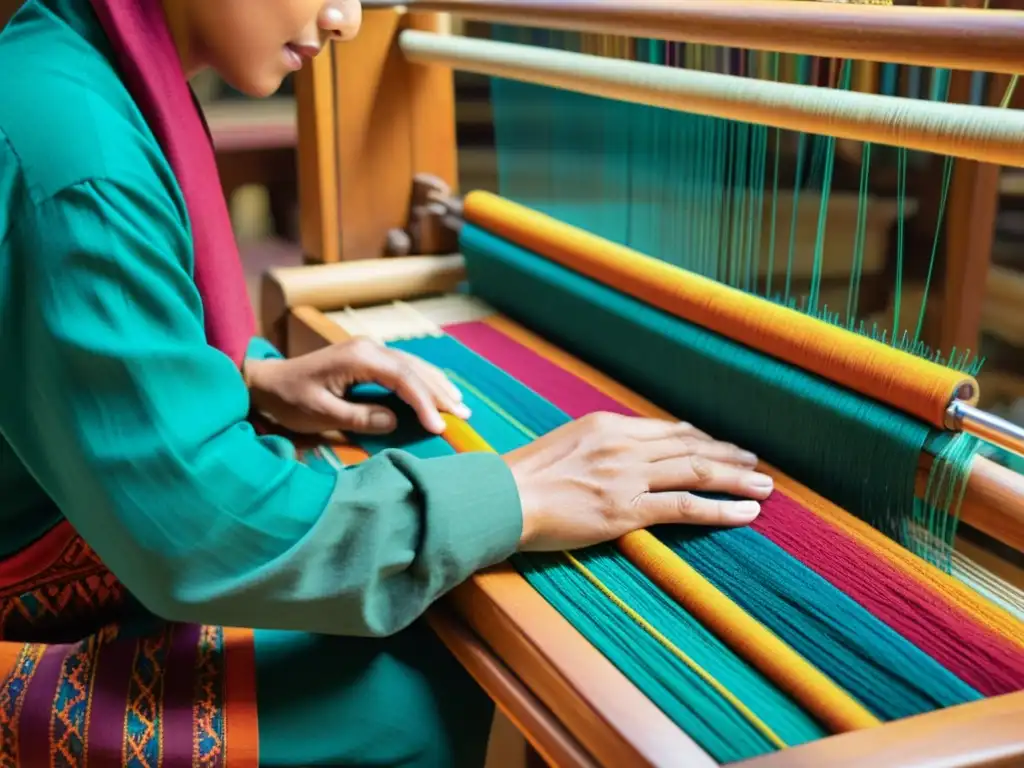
138,695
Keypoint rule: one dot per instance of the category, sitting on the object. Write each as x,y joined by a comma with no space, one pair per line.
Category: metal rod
987,426
985,134
973,39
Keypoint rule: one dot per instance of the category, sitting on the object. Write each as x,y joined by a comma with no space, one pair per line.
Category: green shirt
116,414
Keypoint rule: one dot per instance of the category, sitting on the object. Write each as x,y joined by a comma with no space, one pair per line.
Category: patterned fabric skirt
79,688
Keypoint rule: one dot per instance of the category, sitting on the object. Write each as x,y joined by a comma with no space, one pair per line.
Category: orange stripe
241,723
349,454
877,370
960,596
9,654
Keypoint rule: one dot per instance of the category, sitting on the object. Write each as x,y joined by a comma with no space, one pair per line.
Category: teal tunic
116,415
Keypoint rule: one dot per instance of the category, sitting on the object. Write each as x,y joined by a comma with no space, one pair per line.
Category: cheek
247,48
244,39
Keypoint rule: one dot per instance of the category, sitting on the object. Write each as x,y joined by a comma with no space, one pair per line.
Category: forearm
269,542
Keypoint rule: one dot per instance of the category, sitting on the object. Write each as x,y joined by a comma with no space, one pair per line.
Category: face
254,44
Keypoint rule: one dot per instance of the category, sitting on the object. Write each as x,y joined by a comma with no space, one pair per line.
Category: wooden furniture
363,140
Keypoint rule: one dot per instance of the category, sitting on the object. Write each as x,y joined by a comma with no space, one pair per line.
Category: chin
258,85
261,89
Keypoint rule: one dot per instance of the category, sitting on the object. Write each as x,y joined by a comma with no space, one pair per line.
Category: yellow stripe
463,438
706,676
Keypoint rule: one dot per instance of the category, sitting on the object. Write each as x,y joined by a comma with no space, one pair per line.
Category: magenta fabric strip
179,695
982,659
113,673
546,379
979,657
37,706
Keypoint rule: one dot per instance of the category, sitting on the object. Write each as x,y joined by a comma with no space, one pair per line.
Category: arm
138,432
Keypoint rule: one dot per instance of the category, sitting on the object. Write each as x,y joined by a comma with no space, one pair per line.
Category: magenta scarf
152,71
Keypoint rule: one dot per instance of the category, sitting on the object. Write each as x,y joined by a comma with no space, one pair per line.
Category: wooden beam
317,158
391,120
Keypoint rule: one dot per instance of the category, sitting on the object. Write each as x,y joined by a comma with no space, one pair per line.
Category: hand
606,475
306,394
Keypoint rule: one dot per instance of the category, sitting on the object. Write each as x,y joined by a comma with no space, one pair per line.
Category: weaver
692,231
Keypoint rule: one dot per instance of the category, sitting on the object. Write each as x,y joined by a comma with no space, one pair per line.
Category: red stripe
25,565
545,378
987,662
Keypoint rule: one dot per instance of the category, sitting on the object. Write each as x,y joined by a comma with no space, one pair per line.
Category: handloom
663,242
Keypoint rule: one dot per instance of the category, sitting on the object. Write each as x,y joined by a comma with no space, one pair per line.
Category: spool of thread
911,384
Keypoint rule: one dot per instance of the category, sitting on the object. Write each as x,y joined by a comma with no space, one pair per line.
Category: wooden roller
944,37
354,283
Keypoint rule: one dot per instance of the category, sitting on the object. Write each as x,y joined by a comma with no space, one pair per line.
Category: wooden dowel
354,283
993,502
954,38
987,134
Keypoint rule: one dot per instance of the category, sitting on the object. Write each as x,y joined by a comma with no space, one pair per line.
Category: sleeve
261,349
138,433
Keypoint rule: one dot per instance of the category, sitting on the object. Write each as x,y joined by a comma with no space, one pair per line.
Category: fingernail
462,411
748,457
382,421
761,482
437,425
744,511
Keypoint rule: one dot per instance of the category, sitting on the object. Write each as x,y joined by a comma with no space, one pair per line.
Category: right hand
606,475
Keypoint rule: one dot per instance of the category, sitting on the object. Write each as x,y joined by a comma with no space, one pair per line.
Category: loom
642,256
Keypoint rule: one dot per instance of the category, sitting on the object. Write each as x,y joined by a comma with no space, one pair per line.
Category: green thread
692,190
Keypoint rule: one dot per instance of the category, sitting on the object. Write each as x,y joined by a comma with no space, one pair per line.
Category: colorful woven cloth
139,692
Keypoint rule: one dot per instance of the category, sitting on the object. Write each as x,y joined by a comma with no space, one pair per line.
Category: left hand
306,394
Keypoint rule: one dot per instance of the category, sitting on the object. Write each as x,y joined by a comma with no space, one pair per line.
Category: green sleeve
136,428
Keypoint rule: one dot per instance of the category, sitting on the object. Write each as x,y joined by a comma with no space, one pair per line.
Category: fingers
701,473
685,508
359,419
447,395
422,387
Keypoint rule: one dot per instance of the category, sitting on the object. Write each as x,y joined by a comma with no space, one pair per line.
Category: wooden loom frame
362,139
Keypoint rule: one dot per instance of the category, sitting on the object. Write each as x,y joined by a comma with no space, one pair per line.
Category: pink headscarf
151,68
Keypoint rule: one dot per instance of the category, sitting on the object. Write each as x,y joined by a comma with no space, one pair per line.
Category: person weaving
143,515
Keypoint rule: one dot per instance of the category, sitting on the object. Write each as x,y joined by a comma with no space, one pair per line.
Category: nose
341,19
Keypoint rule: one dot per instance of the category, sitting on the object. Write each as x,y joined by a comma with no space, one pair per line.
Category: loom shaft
985,134
957,38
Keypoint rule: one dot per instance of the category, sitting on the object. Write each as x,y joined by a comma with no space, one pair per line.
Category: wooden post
388,120
970,230
969,227
317,159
